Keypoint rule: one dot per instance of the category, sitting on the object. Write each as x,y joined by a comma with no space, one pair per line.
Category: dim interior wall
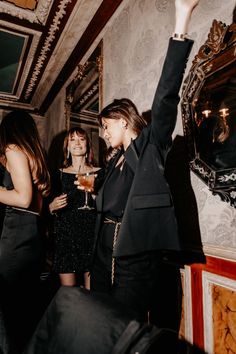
55,119
39,120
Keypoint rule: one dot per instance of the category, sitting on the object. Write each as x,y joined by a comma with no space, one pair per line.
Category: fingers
61,201
77,183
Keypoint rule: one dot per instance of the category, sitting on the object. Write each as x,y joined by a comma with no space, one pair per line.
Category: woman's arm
164,108
183,12
17,165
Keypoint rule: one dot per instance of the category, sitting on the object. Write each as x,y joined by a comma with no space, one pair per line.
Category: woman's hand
183,11
58,203
186,5
85,182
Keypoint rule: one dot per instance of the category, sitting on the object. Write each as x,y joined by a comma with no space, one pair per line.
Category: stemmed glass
86,180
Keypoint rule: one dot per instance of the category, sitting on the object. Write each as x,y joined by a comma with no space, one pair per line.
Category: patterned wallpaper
135,41
134,47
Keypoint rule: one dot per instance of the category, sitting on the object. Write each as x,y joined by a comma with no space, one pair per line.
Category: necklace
77,168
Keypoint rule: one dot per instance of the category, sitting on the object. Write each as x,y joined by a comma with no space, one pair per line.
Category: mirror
209,111
84,98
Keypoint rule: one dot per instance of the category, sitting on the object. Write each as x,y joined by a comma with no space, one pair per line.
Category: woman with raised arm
25,183
136,222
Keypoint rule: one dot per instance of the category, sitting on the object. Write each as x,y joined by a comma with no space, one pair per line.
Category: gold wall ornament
80,72
214,43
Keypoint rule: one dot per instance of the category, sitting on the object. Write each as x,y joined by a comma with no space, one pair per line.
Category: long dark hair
89,158
18,128
126,109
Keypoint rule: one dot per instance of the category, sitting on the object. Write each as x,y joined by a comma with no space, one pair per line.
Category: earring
68,154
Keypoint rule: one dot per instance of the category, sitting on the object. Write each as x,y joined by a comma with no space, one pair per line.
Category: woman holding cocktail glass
74,210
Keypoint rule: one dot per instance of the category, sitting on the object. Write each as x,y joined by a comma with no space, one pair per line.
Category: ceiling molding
100,19
39,15
51,36
60,34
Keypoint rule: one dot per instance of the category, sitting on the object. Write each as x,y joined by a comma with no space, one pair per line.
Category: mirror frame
82,72
216,53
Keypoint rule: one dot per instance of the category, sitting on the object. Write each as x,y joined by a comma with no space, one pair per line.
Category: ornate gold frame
216,53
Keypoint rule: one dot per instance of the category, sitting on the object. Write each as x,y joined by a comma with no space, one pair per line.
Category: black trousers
20,265
145,282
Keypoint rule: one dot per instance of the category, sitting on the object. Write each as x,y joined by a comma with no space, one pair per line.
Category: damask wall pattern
134,47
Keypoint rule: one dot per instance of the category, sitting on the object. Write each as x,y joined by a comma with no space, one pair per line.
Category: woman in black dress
25,183
73,227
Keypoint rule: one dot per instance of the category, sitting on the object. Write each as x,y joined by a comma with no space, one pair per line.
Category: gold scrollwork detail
214,43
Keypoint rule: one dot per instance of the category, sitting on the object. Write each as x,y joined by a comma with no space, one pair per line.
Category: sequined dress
73,229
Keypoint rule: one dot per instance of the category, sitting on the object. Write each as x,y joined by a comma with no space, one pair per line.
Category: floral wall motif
135,43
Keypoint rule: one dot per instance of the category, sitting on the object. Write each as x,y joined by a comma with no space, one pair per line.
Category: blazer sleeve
166,99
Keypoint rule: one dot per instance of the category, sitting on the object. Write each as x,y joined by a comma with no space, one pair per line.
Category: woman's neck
130,135
78,163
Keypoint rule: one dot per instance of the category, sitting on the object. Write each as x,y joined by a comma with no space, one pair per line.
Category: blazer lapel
99,198
131,156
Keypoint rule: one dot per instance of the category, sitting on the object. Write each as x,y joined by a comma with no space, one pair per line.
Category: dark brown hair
126,109
18,128
221,130
89,159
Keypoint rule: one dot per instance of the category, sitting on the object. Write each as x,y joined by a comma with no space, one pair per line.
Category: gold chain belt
115,236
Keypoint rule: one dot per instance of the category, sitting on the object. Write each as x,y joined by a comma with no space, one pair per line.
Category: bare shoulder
13,148
95,169
68,169
15,154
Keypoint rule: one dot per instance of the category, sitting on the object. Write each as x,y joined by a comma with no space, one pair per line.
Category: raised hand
183,11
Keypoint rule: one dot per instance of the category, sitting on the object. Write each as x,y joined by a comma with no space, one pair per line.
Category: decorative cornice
26,64
89,94
51,35
39,15
98,22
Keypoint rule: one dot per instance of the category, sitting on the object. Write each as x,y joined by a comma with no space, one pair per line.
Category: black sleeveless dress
73,229
20,242
20,266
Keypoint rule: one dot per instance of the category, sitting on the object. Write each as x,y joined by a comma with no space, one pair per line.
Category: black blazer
149,221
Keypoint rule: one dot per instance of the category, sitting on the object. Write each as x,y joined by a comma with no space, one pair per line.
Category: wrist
51,210
180,36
